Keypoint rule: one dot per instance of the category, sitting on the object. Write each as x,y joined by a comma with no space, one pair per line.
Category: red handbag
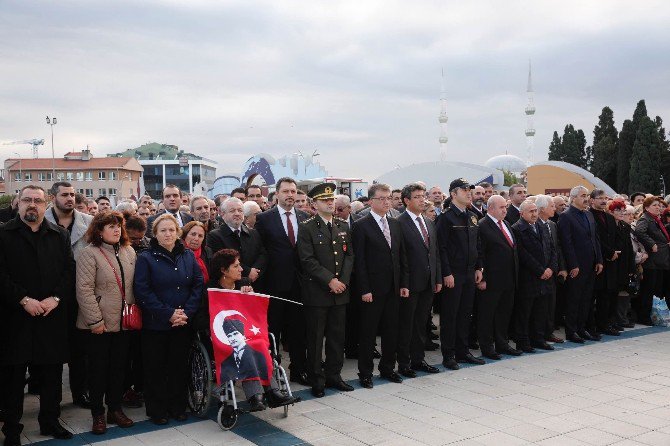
131,316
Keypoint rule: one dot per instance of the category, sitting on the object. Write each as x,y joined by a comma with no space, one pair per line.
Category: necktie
178,217
237,233
509,240
386,231
424,233
289,229
329,225
237,360
548,228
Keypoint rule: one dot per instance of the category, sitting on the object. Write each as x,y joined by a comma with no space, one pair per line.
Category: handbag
131,316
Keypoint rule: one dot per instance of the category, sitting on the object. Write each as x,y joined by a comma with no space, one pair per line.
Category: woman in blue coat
168,287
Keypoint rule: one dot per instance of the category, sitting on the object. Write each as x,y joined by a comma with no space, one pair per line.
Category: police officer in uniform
457,234
327,260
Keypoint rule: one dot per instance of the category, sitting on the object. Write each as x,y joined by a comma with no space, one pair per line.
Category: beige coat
98,293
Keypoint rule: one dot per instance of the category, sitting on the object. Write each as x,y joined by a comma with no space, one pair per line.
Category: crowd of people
497,268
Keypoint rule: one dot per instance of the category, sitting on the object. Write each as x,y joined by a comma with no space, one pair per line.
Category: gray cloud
358,80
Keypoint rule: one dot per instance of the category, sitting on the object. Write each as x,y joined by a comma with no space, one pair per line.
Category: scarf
201,263
660,225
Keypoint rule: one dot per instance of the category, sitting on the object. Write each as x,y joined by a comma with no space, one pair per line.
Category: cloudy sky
357,80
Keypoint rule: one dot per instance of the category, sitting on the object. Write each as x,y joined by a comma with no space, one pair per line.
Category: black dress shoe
609,331
376,354
543,346
391,376
474,345
629,325
509,351
318,392
431,346
82,401
55,430
491,354
526,348
159,421
180,417
425,367
555,339
256,403
300,378
470,359
450,363
575,338
12,440
276,398
339,385
406,371
366,381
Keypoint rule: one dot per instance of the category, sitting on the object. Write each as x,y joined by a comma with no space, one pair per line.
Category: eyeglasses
27,200
341,209
382,199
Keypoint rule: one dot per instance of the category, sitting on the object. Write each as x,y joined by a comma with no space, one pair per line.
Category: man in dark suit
457,233
498,254
478,207
579,240
517,195
382,278
546,209
537,266
171,201
233,234
278,228
343,211
425,278
606,290
327,260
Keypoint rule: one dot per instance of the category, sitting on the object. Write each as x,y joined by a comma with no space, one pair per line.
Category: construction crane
33,142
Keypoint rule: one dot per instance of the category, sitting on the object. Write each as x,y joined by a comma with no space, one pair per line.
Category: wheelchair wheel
200,385
226,418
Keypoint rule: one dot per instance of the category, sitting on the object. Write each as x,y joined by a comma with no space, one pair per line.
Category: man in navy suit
382,278
425,278
171,201
278,228
517,195
538,264
581,248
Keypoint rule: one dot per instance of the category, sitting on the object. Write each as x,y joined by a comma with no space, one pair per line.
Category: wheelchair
202,388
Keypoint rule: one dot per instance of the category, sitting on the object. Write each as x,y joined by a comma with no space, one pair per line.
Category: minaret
443,121
530,112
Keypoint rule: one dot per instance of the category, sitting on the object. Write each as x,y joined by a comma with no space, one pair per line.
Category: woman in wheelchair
245,364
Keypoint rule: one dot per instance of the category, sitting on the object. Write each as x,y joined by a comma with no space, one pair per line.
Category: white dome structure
509,163
440,173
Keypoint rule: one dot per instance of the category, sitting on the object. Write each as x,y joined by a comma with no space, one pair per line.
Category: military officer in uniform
327,259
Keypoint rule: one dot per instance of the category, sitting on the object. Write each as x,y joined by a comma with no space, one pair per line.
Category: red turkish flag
239,328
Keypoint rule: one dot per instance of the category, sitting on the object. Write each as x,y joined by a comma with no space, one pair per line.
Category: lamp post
20,166
52,122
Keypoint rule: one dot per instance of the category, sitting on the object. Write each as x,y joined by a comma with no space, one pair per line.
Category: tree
585,152
555,148
509,178
645,166
624,152
605,140
573,146
625,148
665,153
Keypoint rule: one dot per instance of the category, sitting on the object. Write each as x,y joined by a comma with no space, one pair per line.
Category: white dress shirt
416,223
294,221
495,220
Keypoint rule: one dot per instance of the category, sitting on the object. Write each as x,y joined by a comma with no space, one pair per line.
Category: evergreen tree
572,146
624,151
645,166
626,140
665,153
585,152
555,148
605,139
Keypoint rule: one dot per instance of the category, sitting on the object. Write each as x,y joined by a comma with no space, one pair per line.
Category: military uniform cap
460,182
323,191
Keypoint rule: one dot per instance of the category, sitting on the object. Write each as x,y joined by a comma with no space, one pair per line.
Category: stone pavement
614,392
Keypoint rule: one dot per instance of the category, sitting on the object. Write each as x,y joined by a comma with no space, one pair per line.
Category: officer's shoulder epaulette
340,219
310,219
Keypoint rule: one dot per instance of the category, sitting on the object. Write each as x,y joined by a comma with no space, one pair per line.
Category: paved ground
614,392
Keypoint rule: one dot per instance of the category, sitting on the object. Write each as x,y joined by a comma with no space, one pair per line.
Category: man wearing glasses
255,193
37,280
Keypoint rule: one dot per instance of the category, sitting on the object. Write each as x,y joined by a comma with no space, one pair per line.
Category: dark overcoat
37,265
